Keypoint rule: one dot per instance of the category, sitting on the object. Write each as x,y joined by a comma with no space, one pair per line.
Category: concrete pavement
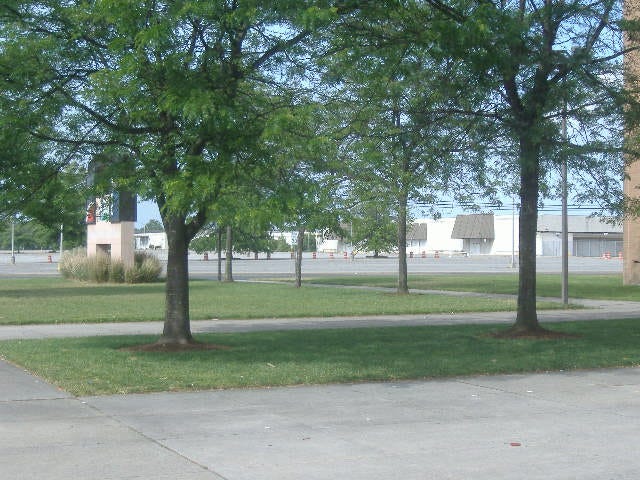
567,425
47,434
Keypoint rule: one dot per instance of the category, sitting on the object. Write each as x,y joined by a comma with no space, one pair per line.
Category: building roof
475,225
577,224
417,231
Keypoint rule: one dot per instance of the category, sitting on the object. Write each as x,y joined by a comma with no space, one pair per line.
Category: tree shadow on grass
540,333
174,347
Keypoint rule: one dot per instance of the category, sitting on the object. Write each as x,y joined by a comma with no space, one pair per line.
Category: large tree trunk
527,317
177,328
403,284
228,264
299,249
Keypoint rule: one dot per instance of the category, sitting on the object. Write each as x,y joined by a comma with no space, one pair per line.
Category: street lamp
61,244
565,218
13,254
513,232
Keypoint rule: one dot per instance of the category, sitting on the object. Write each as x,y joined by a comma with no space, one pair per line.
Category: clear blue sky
146,211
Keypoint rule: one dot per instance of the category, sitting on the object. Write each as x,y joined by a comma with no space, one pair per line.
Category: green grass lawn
56,300
88,366
602,287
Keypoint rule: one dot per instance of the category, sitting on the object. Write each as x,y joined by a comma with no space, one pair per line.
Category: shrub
73,264
146,269
100,269
116,271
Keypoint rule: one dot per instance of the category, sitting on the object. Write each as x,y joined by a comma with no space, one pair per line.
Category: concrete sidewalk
593,310
574,425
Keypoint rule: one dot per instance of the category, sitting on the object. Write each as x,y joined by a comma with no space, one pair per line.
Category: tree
152,225
34,185
373,228
306,188
407,141
544,60
28,235
525,61
179,91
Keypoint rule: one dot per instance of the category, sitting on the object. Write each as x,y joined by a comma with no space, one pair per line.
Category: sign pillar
631,226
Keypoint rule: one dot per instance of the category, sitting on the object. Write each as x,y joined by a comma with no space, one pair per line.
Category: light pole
565,217
61,238
13,253
513,232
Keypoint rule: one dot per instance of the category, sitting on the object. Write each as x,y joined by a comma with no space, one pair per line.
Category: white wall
506,235
439,235
154,240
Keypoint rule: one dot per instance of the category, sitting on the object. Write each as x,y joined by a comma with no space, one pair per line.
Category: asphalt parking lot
282,266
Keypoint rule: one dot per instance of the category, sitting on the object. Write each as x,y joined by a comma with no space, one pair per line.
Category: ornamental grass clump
76,265
98,267
146,269
116,271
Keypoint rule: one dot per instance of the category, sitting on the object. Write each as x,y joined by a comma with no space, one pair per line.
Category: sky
147,210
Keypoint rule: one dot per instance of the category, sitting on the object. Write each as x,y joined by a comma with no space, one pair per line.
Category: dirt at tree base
175,347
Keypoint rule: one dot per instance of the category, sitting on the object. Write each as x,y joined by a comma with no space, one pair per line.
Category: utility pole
61,243
565,218
13,232
513,232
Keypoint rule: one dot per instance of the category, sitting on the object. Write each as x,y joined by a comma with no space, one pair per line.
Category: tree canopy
194,104
179,92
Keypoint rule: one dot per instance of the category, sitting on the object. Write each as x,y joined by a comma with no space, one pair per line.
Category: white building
151,241
488,234
472,234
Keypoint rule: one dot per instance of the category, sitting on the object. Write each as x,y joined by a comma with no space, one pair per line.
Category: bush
73,264
100,269
146,269
116,271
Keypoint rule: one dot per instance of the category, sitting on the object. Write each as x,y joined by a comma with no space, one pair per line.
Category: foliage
117,272
73,265
399,100
146,269
152,225
374,229
174,96
28,235
204,242
534,63
244,240
38,225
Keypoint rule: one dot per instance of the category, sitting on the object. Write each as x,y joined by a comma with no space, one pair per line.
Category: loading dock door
596,247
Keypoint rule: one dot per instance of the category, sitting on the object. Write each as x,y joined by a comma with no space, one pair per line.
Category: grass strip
600,287
97,365
56,300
